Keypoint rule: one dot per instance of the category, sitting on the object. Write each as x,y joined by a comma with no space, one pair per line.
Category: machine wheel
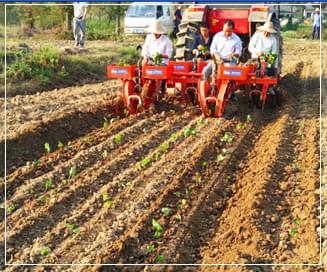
185,40
129,89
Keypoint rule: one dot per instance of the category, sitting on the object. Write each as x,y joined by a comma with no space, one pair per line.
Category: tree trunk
117,24
69,18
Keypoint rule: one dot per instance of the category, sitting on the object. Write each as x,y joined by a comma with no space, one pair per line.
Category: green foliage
11,208
160,259
142,164
189,131
118,138
163,147
293,232
105,122
74,228
72,172
173,137
157,228
44,251
127,56
60,145
48,184
47,148
45,65
106,202
150,248
165,211
228,137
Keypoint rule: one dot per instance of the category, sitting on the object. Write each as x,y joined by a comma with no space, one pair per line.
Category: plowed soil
243,189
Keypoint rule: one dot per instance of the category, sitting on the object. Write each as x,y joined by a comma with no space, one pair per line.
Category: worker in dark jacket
202,42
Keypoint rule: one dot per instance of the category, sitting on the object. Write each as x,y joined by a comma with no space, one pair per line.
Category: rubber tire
185,41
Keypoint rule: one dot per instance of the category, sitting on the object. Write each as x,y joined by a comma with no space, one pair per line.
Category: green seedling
225,151
189,190
165,211
249,118
173,137
188,132
106,202
240,126
229,178
118,138
42,199
160,259
296,169
47,148
293,232
112,120
157,155
204,164
197,179
202,121
44,251
74,228
150,248
178,218
178,194
48,184
11,208
60,145
129,185
157,228
105,122
220,157
172,111
163,147
296,221
36,162
228,137
72,172
104,154
182,203
143,163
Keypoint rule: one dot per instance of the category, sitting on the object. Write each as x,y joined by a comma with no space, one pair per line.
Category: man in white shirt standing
263,42
80,10
316,24
157,43
225,46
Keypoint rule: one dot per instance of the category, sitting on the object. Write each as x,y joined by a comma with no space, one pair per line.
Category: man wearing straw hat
157,43
262,42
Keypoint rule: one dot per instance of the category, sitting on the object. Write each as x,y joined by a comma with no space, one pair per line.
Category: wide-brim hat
157,28
268,26
317,10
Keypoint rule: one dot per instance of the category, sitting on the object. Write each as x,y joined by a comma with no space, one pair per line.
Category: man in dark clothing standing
178,19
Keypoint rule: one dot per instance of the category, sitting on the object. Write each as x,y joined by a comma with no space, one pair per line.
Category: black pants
316,29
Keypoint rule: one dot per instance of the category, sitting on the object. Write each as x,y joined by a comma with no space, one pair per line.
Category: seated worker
202,40
225,47
262,42
157,43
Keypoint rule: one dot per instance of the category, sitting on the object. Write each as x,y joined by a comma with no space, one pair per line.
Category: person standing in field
316,24
80,11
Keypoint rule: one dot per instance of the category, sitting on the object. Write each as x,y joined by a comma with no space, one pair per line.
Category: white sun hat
157,28
268,26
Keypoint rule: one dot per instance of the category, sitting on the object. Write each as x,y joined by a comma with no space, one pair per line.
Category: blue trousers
316,29
79,31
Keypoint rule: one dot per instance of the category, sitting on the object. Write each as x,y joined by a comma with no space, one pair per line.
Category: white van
140,16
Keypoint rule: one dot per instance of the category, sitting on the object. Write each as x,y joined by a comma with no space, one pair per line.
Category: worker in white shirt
225,47
157,43
263,42
80,10
316,24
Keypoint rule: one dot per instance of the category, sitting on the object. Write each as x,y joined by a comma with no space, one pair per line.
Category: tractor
141,84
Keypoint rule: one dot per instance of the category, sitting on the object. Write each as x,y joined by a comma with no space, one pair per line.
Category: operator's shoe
271,91
233,98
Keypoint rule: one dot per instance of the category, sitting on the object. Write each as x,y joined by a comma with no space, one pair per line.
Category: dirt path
207,183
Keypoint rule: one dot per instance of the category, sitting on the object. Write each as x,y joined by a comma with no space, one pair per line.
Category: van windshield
147,11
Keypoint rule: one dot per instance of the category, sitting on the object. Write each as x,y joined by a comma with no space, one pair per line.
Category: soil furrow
143,145
142,192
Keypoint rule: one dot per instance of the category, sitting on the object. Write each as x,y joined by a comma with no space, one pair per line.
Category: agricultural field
88,184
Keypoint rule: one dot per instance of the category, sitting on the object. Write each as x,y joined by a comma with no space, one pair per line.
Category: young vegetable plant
160,259
173,137
293,232
228,137
42,199
60,145
72,172
220,157
157,228
47,148
241,126
197,179
142,164
202,121
189,131
118,138
105,122
165,211
48,184
74,228
44,251
106,202
204,164
104,154
150,248
163,147
178,218
11,208
178,194
249,118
